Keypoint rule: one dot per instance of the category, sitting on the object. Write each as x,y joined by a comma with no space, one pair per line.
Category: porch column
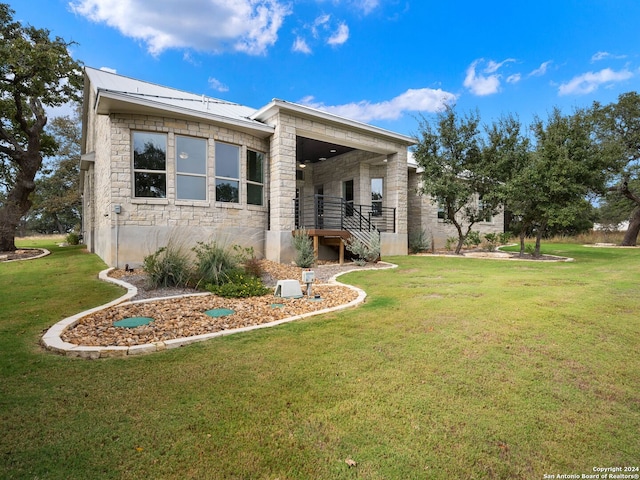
282,190
396,196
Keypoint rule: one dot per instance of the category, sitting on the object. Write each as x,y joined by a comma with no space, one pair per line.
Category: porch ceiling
309,150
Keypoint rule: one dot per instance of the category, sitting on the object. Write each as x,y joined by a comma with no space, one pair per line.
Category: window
255,177
347,195
227,173
481,209
191,168
149,165
442,214
376,197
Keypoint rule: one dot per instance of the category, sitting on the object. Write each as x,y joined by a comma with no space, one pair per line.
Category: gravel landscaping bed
184,316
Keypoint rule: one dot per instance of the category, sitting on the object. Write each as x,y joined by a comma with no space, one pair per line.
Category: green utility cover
219,312
277,305
133,322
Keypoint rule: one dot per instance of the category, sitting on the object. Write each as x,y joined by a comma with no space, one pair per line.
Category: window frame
226,179
178,173
136,171
262,157
376,205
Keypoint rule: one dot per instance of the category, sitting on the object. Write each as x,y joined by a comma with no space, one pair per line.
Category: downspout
117,209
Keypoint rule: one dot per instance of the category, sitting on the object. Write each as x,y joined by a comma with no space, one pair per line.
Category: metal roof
117,93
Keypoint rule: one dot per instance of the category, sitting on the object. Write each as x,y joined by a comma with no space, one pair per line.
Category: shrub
472,239
73,238
253,267
419,242
246,256
303,245
239,284
364,253
450,242
168,267
505,237
213,263
492,241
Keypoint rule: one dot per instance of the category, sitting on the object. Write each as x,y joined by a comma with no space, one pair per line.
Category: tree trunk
18,203
631,236
523,234
536,252
460,237
28,161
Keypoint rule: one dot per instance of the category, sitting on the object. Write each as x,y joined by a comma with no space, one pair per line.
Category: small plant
213,262
472,239
449,243
505,237
364,253
72,238
491,241
247,258
530,248
239,284
303,245
169,266
419,242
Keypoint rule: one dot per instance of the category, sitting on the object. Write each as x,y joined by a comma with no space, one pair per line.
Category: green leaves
464,171
35,72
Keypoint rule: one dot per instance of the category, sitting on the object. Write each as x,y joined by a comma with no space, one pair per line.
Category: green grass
453,368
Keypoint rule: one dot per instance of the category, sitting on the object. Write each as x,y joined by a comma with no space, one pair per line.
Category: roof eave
108,102
263,114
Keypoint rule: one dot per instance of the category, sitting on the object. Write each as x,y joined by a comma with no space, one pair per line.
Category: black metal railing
323,212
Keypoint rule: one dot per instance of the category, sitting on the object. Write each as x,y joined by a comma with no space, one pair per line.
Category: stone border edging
44,253
52,340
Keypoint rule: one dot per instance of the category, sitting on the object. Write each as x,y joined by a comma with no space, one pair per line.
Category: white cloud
249,26
216,84
493,67
541,70
604,55
367,6
479,84
413,100
590,81
109,70
599,56
340,36
515,78
300,45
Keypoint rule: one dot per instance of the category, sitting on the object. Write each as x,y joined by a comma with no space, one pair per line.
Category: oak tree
36,72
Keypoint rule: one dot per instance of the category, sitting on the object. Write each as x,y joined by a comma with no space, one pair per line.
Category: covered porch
336,178
333,221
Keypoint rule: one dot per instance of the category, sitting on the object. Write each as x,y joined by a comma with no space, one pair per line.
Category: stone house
159,164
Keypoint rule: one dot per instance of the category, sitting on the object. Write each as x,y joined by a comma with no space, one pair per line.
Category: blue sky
384,62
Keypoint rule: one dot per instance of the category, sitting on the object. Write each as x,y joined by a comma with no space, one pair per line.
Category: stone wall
146,224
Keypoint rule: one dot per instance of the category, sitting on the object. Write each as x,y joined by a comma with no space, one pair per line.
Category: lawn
453,368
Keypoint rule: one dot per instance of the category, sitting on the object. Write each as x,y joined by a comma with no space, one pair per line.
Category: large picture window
150,164
227,173
255,178
191,168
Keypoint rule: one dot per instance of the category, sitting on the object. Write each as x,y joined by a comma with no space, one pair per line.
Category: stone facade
122,228
145,224
423,213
